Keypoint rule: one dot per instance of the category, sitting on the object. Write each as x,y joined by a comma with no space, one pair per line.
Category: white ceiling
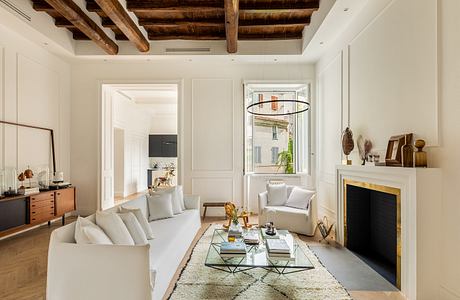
156,99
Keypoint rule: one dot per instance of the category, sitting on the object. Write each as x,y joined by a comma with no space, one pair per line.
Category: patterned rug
200,282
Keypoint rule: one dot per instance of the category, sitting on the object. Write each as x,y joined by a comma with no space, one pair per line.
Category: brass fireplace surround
384,189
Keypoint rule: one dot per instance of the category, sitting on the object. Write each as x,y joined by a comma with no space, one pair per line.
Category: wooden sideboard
21,212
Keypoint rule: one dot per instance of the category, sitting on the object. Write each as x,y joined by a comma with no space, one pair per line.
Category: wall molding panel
212,146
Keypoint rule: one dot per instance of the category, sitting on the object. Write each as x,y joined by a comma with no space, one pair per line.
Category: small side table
212,204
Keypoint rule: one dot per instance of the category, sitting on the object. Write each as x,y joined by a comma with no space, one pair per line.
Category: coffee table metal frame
235,264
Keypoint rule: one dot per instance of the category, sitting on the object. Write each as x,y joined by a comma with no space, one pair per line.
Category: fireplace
372,226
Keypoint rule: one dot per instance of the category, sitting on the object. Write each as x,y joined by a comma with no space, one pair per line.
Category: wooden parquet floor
23,263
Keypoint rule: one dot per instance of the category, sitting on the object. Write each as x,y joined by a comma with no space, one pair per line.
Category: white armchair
297,220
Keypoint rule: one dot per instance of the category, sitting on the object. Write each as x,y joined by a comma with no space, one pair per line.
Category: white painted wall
35,90
136,125
164,124
381,77
212,115
118,162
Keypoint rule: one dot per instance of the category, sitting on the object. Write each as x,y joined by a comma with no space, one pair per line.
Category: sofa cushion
134,228
160,206
299,198
141,219
277,194
177,197
114,227
86,232
169,233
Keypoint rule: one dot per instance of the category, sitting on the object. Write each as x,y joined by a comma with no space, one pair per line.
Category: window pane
274,144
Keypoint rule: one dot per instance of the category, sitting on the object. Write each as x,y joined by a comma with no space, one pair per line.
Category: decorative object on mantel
364,148
420,155
407,152
393,155
347,145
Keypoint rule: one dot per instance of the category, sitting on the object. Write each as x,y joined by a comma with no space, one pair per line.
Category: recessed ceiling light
105,59
321,43
275,59
233,59
190,59
346,9
45,43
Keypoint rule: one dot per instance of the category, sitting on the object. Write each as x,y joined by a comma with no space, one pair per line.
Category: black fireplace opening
371,229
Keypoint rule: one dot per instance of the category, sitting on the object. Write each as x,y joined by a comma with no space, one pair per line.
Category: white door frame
101,134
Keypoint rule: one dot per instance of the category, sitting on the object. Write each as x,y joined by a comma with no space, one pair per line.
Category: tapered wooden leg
63,220
204,213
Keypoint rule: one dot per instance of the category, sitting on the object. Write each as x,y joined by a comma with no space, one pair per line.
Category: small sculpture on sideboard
420,155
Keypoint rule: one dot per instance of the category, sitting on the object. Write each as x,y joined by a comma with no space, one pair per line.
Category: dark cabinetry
21,212
162,145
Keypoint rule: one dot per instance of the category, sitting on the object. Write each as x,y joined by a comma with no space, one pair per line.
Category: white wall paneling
221,191
393,51
35,90
330,91
212,125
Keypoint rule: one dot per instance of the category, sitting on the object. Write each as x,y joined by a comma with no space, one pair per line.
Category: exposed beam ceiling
75,15
231,24
229,20
115,11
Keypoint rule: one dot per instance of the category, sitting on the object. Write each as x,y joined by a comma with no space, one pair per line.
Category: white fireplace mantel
420,221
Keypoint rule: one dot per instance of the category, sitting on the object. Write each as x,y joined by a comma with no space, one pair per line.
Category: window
275,151
277,144
257,155
274,133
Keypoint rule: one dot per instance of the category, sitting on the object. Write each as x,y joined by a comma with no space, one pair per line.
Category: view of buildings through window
276,144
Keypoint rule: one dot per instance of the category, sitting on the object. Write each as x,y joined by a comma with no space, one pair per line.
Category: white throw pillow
114,227
299,198
160,206
134,228
175,198
180,195
97,236
86,232
277,194
141,218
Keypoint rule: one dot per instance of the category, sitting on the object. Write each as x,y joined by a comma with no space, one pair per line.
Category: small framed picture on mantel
393,156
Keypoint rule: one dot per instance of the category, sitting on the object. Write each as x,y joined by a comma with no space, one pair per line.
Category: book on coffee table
251,238
277,246
232,249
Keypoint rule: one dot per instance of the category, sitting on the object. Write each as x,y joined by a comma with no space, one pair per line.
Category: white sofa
297,220
77,272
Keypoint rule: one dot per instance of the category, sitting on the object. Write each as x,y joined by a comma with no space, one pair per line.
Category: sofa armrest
192,201
77,271
263,200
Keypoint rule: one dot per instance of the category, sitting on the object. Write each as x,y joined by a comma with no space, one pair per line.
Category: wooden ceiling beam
231,24
115,11
72,12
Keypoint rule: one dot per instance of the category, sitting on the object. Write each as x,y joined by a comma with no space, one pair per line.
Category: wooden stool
212,204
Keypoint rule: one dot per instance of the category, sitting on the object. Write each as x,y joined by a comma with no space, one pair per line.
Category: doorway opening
139,140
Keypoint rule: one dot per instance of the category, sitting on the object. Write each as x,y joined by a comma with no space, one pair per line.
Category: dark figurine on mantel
347,144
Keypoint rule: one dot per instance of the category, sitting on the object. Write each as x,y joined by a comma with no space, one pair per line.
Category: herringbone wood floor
23,264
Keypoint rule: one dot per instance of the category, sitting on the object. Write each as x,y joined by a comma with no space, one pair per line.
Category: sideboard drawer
41,203
41,216
41,197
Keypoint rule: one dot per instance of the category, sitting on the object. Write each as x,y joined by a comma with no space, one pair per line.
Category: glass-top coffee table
257,256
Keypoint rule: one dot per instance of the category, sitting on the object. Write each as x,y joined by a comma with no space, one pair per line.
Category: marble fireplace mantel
420,190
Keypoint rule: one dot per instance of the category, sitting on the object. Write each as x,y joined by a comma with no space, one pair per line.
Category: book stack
228,249
235,233
31,191
278,248
251,238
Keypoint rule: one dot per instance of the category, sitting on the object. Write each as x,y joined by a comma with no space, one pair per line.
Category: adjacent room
229,149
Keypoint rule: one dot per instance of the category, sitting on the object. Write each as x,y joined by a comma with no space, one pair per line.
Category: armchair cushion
277,194
299,198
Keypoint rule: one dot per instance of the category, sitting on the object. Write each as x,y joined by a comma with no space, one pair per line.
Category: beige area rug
197,281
